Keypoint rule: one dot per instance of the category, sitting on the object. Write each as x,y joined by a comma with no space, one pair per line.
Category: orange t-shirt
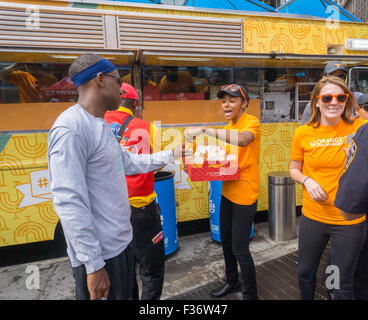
245,191
321,150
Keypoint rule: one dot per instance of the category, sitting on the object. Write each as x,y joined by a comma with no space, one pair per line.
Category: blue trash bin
165,189
214,203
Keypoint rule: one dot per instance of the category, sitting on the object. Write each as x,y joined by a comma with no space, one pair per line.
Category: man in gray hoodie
87,169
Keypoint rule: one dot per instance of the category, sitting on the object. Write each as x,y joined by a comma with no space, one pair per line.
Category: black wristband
305,180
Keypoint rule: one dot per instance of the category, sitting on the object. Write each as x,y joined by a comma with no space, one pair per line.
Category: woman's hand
315,190
191,133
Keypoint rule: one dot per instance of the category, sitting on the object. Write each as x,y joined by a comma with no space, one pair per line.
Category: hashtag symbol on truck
43,182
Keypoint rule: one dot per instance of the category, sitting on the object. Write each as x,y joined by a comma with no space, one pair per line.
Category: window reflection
39,82
193,83
279,90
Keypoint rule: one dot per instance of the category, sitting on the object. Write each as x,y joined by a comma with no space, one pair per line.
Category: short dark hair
128,103
82,62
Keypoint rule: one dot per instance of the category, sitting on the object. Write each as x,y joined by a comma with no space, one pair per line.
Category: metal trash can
165,189
281,206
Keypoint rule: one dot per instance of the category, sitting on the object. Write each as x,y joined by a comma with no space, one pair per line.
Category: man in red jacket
138,136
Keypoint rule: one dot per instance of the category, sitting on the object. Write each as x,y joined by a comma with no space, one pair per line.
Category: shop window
36,82
195,83
287,92
359,79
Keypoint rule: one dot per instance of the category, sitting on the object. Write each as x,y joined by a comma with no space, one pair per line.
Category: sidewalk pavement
197,262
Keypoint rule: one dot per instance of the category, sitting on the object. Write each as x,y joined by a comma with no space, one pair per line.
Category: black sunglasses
118,79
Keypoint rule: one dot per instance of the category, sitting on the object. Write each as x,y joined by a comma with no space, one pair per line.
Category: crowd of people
102,185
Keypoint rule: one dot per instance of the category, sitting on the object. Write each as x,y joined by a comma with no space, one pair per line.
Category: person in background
148,245
351,197
317,162
362,110
87,171
334,68
201,84
147,79
239,197
175,81
29,82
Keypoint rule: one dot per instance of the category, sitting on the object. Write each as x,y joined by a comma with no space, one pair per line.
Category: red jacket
136,138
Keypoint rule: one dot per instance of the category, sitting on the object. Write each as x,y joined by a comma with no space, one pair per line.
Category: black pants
361,273
345,244
236,226
146,224
120,270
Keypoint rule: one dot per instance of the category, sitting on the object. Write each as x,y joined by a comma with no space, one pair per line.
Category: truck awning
285,60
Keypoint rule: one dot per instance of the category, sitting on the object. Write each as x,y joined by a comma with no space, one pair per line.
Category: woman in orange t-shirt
239,197
317,162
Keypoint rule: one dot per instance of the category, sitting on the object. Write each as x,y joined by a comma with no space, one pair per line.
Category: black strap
123,127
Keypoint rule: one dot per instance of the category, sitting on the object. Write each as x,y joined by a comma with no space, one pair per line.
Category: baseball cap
128,92
363,99
333,66
234,90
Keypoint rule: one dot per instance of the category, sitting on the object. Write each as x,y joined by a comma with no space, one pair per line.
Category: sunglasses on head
327,98
234,88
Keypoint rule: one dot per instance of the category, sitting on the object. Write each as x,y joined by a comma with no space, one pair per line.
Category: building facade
359,8
274,3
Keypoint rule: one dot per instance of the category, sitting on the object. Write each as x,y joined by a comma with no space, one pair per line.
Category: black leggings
345,244
236,226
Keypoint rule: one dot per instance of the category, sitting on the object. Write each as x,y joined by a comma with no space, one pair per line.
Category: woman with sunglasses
239,197
317,162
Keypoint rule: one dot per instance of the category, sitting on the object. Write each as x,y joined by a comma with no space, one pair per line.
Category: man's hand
181,152
351,216
98,284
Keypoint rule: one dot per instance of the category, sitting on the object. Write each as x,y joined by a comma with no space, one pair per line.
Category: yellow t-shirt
245,191
321,150
155,135
29,86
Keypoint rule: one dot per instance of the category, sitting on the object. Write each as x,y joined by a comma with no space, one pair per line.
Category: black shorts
120,270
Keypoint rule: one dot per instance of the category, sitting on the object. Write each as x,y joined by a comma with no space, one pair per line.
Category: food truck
278,56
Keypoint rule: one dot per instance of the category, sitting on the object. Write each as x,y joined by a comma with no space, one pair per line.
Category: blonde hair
347,116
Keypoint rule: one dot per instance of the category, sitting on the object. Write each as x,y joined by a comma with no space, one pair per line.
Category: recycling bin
165,190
